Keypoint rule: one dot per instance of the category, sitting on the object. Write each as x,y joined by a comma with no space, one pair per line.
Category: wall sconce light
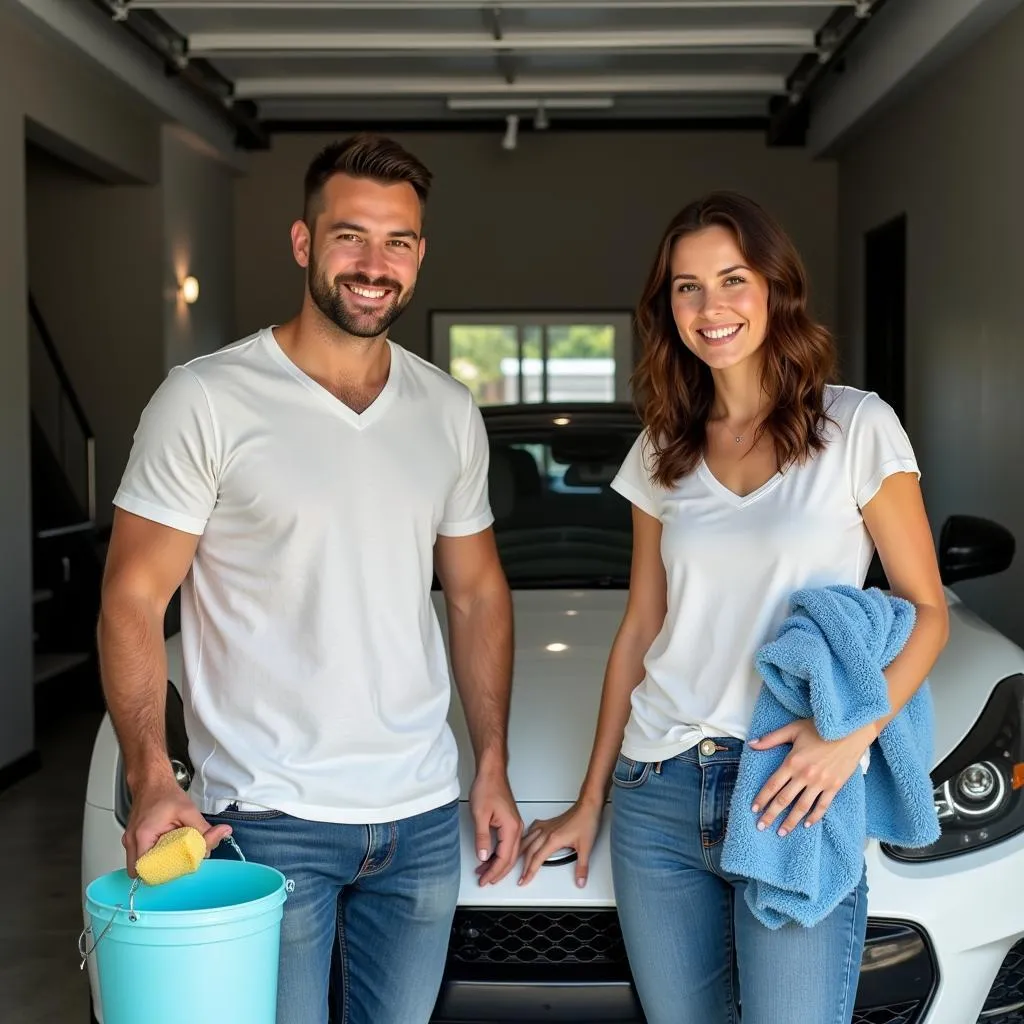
190,289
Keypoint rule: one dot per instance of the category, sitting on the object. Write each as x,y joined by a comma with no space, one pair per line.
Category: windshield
558,523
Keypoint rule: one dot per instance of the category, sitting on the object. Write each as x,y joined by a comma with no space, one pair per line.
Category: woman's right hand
576,829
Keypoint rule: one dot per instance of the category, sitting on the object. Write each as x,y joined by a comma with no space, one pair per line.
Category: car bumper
945,942
971,908
467,1002
944,946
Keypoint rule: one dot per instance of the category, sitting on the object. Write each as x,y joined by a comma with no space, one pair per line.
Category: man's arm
146,563
480,636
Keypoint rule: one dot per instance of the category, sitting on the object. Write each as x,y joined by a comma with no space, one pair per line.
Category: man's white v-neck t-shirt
315,675
732,563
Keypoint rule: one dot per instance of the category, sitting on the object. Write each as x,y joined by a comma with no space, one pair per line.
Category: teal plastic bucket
202,949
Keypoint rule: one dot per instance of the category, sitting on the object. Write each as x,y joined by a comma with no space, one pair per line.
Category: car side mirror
971,547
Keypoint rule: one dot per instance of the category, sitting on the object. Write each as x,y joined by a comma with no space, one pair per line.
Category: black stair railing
77,453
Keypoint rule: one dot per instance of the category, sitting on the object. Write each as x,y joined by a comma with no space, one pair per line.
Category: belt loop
657,767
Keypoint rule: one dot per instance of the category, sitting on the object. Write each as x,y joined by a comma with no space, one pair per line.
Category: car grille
537,937
898,1013
1007,991
565,945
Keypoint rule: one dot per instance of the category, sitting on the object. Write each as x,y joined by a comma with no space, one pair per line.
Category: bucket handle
133,916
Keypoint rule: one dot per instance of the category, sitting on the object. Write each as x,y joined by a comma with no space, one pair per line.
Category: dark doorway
885,312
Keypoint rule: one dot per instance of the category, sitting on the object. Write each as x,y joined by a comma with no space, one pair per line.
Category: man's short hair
365,155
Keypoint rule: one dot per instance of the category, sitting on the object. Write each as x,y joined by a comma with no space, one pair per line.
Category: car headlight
978,791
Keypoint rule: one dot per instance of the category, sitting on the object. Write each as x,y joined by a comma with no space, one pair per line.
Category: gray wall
198,230
16,715
950,158
51,96
74,105
111,300
95,268
83,216
565,221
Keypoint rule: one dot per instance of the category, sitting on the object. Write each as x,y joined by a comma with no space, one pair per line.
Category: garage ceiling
306,63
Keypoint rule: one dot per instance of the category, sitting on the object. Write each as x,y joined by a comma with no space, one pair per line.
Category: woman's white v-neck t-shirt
316,679
732,564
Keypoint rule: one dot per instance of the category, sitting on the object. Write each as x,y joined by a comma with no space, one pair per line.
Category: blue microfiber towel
826,663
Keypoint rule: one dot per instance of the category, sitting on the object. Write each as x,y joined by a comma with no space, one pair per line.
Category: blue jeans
696,951
368,914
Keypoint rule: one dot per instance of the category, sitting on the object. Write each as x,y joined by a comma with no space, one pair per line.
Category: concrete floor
41,916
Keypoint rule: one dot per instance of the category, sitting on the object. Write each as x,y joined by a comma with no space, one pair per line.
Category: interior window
509,359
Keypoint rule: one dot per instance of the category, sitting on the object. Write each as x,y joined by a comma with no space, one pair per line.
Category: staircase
67,549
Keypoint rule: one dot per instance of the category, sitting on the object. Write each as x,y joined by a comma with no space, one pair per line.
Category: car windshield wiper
605,582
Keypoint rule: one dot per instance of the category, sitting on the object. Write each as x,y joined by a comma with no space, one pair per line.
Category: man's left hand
493,807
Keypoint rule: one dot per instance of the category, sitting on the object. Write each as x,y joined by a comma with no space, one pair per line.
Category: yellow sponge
175,854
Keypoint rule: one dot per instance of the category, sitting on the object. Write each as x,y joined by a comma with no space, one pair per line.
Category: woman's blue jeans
697,953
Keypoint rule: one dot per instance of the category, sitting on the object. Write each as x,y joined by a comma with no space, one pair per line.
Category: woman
754,477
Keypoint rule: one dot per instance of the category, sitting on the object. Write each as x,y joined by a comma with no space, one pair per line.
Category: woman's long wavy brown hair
675,390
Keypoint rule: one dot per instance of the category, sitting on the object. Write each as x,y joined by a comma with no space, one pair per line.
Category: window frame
440,322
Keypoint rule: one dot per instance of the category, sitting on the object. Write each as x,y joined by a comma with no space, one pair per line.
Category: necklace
739,437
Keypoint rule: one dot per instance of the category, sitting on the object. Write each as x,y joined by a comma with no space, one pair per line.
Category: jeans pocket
629,774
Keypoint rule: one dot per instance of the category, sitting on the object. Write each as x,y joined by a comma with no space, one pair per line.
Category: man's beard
337,304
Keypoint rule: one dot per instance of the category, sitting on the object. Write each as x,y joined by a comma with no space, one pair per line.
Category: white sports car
946,929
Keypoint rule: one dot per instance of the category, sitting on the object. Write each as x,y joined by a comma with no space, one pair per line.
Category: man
302,485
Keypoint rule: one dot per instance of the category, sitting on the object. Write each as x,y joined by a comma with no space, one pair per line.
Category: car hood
562,642
556,692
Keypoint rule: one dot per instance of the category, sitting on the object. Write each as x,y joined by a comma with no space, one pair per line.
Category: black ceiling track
786,123
328,126
789,115
203,81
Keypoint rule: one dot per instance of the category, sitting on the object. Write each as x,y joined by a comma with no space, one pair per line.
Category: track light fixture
511,132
